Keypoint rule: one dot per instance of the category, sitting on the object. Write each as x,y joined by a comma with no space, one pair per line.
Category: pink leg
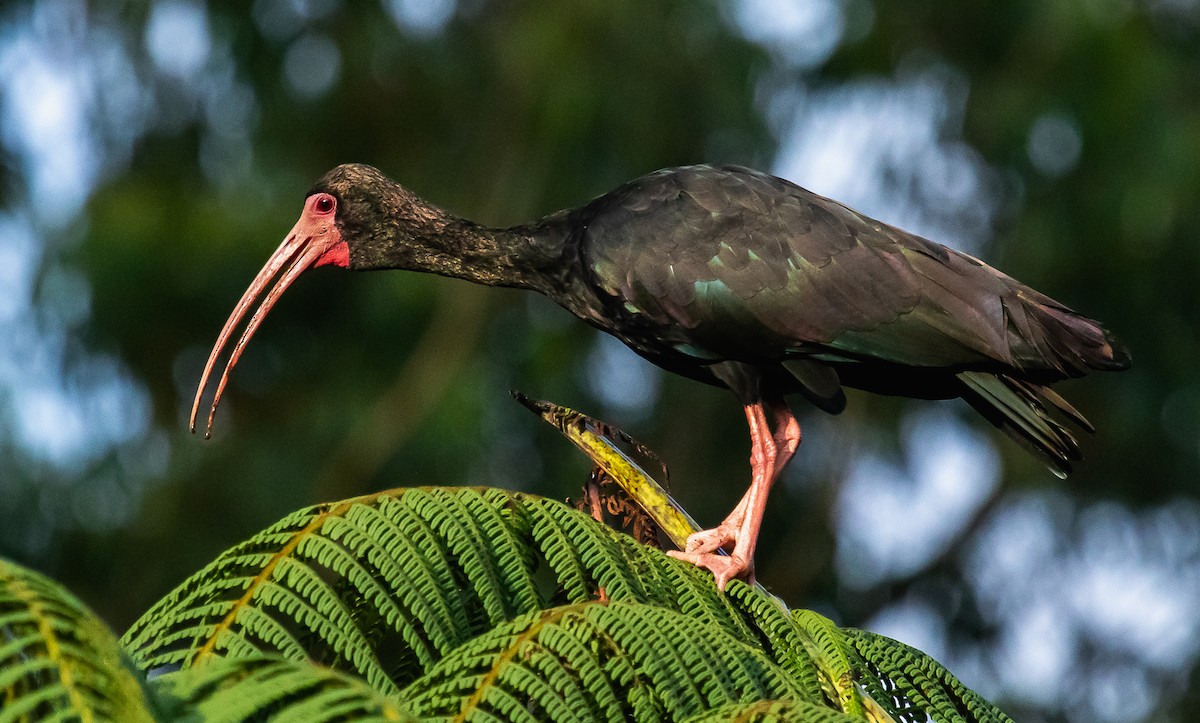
769,454
786,439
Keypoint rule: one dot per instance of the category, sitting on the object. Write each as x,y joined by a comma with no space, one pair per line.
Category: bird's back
730,263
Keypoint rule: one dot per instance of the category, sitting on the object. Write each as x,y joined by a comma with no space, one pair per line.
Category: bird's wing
732,265
749,265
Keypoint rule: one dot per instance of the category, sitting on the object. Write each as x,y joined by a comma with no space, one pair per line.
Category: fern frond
57,659
813,648
414,572
386,585
784,640
913,684
593,438
831,652
584,563
275,689
773,711
402,587
598,661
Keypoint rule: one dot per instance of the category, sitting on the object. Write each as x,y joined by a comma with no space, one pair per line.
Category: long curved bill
308,245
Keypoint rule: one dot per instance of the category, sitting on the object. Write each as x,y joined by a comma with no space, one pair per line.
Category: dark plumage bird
739,279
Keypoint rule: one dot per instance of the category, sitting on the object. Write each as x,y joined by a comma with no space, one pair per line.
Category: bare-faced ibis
739,279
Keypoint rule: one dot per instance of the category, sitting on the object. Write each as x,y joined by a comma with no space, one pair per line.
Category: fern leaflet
57,659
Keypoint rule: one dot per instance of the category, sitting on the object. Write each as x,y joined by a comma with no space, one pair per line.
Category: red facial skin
314,241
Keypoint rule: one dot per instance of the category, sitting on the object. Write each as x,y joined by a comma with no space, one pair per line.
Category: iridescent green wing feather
752,267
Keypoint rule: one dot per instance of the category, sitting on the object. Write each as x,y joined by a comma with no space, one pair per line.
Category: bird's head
350,218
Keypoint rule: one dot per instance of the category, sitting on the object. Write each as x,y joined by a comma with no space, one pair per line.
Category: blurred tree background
153,154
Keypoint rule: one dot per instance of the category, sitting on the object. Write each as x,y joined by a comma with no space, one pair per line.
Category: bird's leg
787,434
707,541
769,454
787,439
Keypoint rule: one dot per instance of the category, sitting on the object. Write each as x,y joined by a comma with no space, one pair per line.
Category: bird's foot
702,551
723,567
723,535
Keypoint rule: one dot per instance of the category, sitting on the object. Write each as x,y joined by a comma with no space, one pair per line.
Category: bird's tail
1066,341
1019,409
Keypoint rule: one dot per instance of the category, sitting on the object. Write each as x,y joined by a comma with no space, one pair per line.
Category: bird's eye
324,203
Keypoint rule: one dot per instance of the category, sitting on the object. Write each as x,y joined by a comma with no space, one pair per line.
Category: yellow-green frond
491,603
57,659
825,644
599,661
382,585
773,711
913,684
275,689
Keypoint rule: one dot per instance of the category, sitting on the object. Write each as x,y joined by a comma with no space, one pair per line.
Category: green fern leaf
598,661
773,711
404,587
778,633
388,584
915,685
57,659
275,689
416,571
831,651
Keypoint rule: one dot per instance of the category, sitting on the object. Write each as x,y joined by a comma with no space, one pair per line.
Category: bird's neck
426,238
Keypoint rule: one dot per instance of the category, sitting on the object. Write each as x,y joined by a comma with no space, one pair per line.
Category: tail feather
1069,342
1018,408
1061,404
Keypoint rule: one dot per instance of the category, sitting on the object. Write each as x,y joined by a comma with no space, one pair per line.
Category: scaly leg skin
769,454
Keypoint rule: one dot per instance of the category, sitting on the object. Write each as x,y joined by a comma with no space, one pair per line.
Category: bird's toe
723,567
707,541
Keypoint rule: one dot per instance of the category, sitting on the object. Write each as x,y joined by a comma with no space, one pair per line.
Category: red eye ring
324,204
